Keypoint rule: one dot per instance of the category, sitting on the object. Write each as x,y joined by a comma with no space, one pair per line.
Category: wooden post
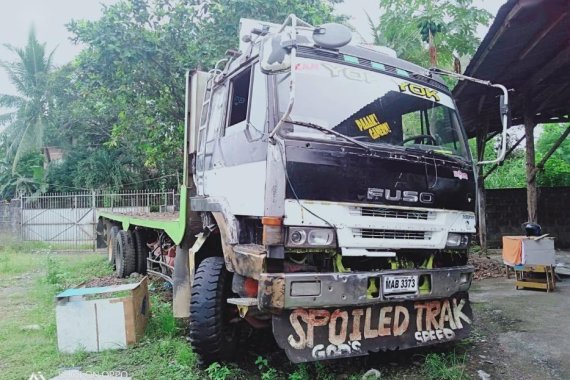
531,194
481,199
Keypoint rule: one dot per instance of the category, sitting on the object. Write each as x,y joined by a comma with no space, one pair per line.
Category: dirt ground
525,331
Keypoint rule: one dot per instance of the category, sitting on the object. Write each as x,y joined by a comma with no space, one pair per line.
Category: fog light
457,240
453,240
306,288
464,278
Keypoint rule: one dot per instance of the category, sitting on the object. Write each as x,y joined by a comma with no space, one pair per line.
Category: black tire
212,337
111,234
125,255
141,252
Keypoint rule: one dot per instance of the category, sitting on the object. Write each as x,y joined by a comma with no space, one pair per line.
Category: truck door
239,160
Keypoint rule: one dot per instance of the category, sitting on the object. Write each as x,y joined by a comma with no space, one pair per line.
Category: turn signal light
272,230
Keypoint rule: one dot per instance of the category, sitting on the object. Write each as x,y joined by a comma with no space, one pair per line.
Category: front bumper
351,289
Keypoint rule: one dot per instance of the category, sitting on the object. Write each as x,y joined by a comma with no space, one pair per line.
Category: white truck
328,195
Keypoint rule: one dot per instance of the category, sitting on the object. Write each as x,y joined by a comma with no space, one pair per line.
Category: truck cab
341,182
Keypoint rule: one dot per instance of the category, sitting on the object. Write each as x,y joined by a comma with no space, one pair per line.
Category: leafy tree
219,30
27,178
30,76
405,26
125,91
512,172
95,169
557,169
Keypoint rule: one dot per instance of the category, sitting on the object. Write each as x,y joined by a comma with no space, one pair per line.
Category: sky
50,16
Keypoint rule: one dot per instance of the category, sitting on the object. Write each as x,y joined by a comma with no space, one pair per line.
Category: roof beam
491,135
549,94
562,58
538,39
481,102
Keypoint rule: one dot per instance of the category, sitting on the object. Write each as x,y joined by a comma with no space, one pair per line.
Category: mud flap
318,334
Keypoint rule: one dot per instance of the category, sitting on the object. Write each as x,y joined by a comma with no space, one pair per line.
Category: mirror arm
293,47
504,109
291,98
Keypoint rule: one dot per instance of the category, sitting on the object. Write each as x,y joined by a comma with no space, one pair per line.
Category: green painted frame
175,229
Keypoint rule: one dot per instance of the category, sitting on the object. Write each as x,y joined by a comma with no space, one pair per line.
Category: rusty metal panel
317,334
249,260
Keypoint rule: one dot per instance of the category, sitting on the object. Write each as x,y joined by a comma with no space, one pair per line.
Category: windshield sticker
418,90
459,174
307,66
371,124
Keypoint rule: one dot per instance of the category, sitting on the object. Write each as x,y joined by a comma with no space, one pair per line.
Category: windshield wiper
332,132
434,151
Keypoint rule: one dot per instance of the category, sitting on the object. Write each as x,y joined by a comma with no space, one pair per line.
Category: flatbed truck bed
172,223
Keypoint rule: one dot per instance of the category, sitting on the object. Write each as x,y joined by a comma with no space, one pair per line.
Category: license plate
400,284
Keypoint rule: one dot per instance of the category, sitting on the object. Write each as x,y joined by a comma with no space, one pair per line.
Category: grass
31,280
28,339
445,366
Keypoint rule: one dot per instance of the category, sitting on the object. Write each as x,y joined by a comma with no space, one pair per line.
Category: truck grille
369,233
394,213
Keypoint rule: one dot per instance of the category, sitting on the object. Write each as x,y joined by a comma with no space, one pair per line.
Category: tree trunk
531,194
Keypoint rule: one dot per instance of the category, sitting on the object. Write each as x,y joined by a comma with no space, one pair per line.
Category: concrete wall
10,218
506,211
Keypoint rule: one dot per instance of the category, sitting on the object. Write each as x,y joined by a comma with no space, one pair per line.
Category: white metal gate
68,221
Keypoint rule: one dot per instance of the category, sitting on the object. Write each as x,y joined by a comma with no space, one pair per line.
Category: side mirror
505,114
275,53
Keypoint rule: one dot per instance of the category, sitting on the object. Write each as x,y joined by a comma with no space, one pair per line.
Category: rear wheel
141,252
111,234
212,335
125,256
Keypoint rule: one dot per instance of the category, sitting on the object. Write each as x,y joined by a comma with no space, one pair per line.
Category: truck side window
239,97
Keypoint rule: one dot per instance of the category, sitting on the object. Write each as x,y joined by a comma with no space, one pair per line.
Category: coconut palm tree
29,109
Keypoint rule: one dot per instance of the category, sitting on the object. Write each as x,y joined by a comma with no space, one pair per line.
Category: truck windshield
371,107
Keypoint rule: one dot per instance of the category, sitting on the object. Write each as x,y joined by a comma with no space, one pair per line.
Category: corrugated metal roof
527,49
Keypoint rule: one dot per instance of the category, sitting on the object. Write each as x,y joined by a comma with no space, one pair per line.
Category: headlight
298,237
457,240
320,237
310,237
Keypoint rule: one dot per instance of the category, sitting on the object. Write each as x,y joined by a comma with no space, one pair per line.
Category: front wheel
213,330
